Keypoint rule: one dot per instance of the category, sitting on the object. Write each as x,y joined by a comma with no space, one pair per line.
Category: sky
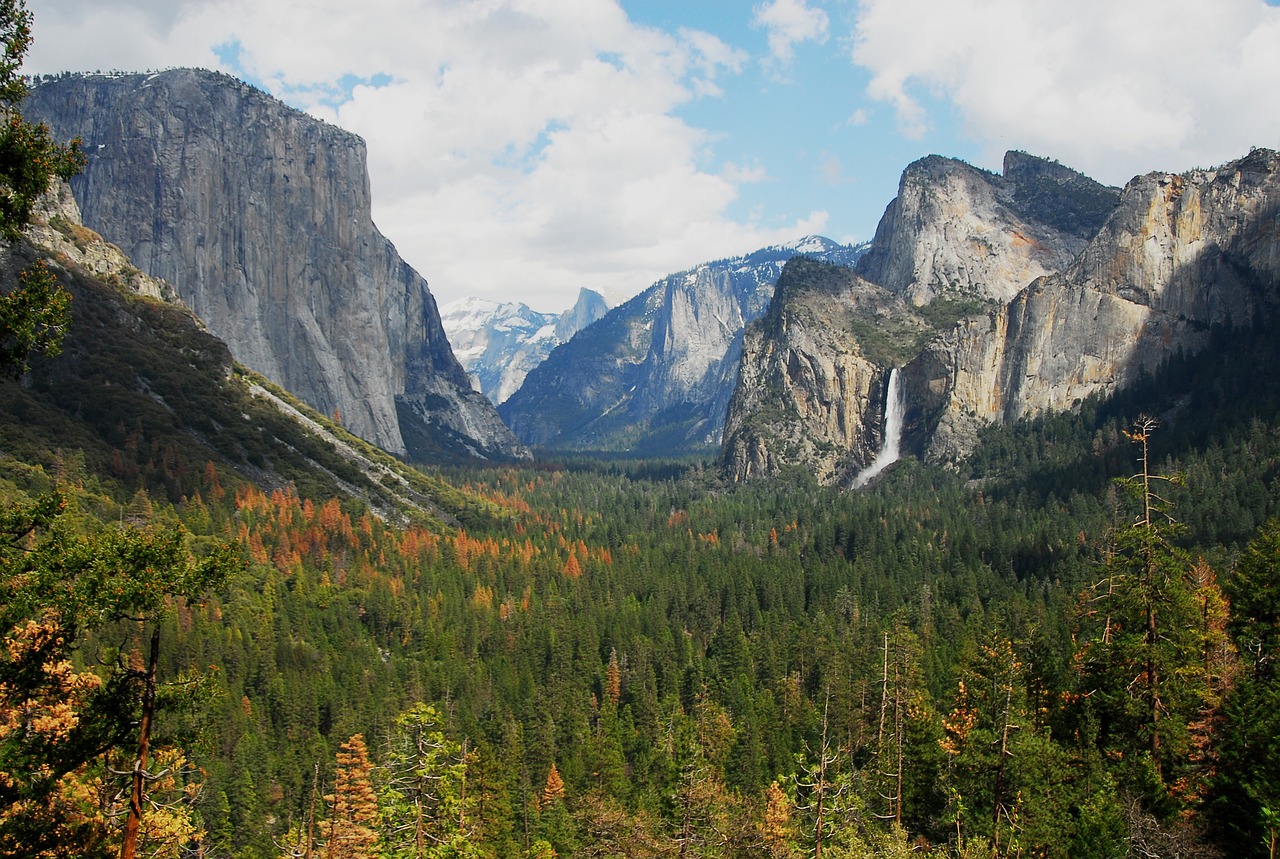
519,150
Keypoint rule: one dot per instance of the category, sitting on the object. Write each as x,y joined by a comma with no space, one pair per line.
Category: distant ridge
655,374
499,343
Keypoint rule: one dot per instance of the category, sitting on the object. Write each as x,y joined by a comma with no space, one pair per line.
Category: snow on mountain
498,343
655,375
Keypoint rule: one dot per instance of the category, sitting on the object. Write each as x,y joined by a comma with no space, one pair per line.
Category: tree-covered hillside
639,659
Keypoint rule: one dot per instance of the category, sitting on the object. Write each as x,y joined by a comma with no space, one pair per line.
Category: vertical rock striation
956,242
1176,257
806,383
955,231
259,215
1179,255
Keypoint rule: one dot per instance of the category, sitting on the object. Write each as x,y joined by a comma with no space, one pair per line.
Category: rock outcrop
499,343
58,227
259,215
656,373
956,242
1179,255
955,231
807,383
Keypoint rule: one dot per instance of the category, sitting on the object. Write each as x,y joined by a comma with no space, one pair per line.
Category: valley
655,603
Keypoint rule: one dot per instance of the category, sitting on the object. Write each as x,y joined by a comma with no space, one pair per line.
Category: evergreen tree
33,315
56,587
1144,639
352,829
1245,790
425,809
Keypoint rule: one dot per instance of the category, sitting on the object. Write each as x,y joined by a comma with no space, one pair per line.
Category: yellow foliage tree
353,824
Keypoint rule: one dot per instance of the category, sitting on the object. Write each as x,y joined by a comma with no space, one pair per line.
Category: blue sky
807,122
522,149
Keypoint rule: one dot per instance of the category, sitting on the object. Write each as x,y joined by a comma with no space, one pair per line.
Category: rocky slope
260,217
144,394
655,374
1177,256
805,385
956,242
1181,254
499,343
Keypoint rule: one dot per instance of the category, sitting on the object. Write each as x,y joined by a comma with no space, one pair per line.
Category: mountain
1174,257
499,343
955,231
955,242
259,216
655,374
558,632
812,370
1181,256
143,396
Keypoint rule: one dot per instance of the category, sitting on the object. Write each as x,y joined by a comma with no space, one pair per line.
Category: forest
1064,647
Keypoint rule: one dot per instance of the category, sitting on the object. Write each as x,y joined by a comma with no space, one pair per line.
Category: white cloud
858,117
833,170
1111,88
518,149
790,22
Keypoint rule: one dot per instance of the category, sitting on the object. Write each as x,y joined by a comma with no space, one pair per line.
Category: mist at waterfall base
888,453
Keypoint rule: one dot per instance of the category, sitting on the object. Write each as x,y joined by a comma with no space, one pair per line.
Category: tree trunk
133,824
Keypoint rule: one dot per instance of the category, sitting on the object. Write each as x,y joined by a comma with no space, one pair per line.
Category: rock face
498,344
806,383
656,373
956,243
1180,254
1177,256
58,227
955,231
260,217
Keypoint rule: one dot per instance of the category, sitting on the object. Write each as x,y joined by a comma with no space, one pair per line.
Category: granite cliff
1181,254
955,231
1177,256
807,382
655,374
259,215
956,243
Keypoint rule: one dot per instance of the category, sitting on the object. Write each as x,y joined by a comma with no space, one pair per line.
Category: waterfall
893,409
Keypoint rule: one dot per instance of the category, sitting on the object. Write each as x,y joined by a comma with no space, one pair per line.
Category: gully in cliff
889,452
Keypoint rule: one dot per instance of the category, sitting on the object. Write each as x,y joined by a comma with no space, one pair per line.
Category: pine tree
553,790
34,315
425,807
1136,667
56,586
776,827
613,678
354,818
1244,791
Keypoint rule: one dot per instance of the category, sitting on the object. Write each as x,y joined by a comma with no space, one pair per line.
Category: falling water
892,434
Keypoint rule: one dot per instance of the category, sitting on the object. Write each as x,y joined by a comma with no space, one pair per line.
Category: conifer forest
1063,647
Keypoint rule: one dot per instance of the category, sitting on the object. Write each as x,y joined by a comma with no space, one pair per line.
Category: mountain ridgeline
1000,297
654,375
995,650
259,216
499,343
